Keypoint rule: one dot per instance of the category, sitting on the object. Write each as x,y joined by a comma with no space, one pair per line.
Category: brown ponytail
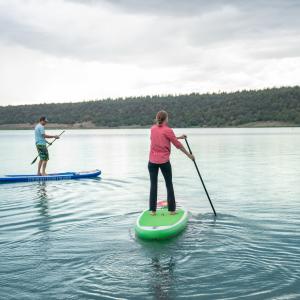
161,116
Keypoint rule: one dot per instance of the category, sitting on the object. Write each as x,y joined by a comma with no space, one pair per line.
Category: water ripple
75,239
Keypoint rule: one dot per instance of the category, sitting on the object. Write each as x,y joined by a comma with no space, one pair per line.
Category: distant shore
90,125
270,107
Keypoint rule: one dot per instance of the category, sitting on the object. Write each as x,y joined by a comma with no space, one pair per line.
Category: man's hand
182,137
56,137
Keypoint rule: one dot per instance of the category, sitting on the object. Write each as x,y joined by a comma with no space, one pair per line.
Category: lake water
75,239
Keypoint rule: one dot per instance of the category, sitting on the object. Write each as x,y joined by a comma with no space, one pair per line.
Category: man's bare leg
39,168
44,168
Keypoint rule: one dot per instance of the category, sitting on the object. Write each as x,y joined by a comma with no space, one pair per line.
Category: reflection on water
162,277
43,206
44,219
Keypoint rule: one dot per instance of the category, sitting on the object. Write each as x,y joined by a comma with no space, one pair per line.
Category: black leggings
166,170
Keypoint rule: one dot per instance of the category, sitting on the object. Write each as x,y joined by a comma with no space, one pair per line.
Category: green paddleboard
162,225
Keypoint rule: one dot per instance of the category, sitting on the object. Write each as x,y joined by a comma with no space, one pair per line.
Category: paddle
49,144
201,178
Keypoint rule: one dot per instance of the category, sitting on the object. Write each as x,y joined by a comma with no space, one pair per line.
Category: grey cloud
212,19
66,42
178,32
252,18
197,7
160,7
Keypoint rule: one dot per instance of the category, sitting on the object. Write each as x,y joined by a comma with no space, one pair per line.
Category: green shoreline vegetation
272,107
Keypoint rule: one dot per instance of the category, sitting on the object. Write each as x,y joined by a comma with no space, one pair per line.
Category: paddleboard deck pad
162,225
54,176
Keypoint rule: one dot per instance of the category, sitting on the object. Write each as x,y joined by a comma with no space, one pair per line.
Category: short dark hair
43,118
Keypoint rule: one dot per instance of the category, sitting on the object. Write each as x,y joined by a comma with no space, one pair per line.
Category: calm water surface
75,239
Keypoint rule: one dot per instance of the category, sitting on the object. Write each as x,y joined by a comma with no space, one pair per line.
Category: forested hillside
203,110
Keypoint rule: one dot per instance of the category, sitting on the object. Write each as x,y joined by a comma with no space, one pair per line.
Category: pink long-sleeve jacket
161,139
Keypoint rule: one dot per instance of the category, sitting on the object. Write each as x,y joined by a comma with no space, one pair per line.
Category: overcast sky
72,50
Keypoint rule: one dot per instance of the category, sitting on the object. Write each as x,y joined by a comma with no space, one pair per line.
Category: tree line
193,110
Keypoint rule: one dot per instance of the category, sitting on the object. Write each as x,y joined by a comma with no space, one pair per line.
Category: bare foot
173,212
44,174
39,174
153,213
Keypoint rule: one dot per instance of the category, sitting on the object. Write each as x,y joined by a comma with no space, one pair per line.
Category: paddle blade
34,160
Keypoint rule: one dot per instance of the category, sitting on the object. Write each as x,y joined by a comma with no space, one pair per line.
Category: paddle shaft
187,143
47,147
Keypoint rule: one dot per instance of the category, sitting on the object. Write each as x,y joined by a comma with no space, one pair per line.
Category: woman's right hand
191,156
182,137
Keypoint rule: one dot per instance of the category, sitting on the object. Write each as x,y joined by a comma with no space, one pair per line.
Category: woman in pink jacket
161,138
